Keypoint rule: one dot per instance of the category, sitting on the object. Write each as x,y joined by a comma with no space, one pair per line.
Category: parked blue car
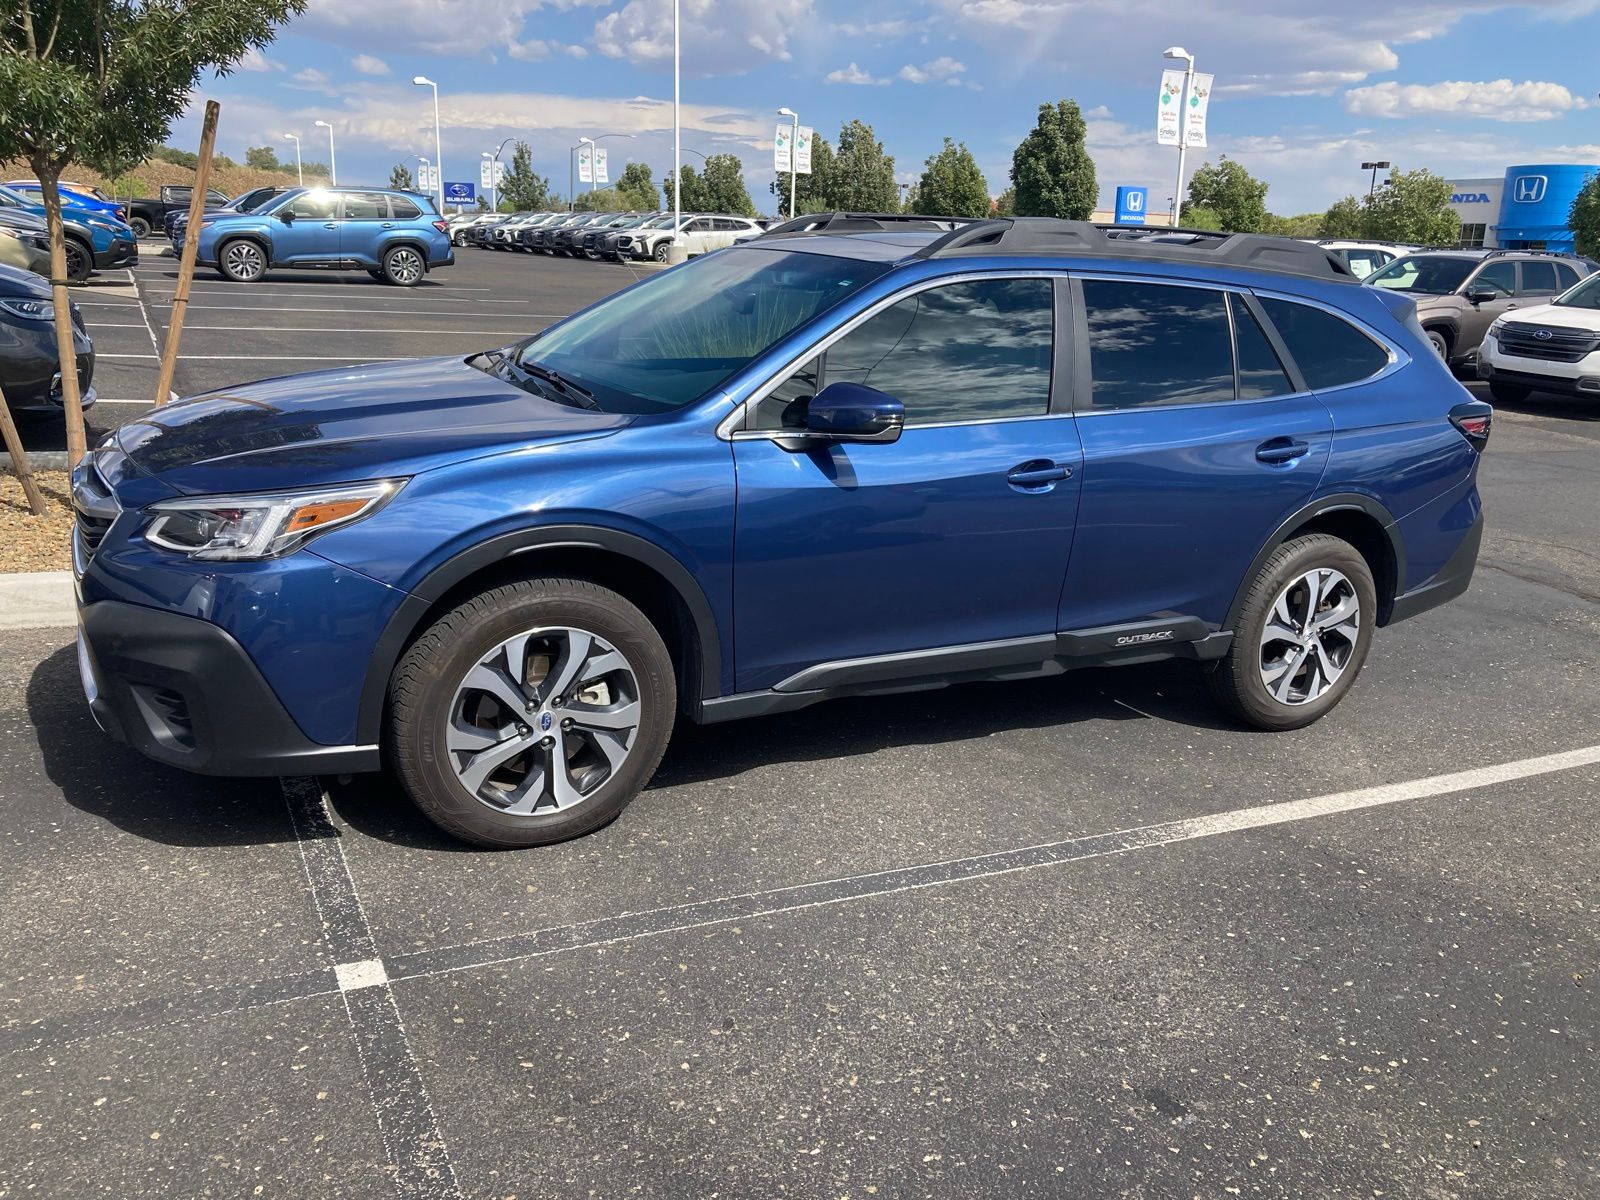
394,236
852,456
93,242
73,197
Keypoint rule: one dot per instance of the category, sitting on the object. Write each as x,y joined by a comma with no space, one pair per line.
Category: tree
1051,170
1301,225
1584,217
175,156
604,199
522,188
813,192
262,158
952,185
1201,217
1344,219
1413,206
638,187
724,186
400,178
1006,203
694,190
100,82
1237,197
861,178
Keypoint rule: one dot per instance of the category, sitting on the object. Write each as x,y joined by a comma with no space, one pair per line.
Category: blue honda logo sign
1131,205
1529,189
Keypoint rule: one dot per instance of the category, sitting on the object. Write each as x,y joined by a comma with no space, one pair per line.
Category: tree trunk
71,397
19,459
191,246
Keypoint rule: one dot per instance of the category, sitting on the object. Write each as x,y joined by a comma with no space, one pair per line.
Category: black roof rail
854,222
1502,251
1047,235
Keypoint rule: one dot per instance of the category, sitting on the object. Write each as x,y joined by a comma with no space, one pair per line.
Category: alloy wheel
243,261
543,720
405,266
1310,636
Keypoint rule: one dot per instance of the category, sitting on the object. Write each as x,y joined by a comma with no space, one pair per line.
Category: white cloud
940,70
852,74
369,65
721,37
1495,100
254,61
312,80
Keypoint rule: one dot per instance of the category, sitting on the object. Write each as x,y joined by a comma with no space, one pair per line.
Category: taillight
442,226
1474,418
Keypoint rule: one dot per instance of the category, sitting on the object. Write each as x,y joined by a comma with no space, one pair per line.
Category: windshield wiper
582,397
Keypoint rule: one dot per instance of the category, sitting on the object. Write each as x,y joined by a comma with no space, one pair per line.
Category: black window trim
1084,382
732,428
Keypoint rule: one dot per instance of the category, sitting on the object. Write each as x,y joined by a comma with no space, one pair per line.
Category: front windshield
1420,274
670,341
1584,295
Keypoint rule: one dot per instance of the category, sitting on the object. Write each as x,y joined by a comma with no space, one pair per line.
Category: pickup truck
149,216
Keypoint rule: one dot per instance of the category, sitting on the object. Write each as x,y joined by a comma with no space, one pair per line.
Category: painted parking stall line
417,1154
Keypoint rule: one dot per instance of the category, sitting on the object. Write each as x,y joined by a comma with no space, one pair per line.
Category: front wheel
80,262
661,251
241,261
140,227
1440,343
1302,637
403,266
531,713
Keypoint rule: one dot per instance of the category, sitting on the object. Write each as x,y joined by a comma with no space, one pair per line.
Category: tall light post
677,143
333,161
299,172
1373,167
438,145
494,171
587,141
572,178
1178,52
794,158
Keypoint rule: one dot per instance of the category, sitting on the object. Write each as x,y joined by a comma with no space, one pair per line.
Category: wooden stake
67,358
19,459
191,246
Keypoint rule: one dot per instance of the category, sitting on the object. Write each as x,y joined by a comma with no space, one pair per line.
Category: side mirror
286,216
853,412
1477,295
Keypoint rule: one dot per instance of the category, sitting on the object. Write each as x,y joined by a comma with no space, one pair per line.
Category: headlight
261,524
30,310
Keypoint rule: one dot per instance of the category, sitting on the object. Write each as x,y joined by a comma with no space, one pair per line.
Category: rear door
1198,440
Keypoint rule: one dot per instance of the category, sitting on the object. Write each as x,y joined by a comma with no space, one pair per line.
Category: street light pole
333,159
572,182
677,141
494,172
1373,167
438,144
1178,52
794,158
299,171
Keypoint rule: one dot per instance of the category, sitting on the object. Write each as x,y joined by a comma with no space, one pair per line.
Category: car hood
1567,316
347,424
17,284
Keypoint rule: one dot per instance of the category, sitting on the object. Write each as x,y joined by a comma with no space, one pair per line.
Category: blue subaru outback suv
855,455
394,236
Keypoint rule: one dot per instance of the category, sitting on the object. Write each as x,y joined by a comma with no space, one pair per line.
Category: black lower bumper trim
182,691
1452,579
1541,383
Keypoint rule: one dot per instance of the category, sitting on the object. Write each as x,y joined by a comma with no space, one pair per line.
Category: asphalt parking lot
1077,937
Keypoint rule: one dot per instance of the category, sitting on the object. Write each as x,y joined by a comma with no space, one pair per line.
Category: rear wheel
403,266
80,261
531,713
140,227
1302,637
1509,393
241,261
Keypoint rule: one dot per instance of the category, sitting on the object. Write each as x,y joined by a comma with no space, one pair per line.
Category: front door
1193,452
363,218
1500,277
313,235
936,540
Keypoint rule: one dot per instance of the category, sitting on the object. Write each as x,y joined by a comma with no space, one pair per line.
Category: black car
30,372
177,221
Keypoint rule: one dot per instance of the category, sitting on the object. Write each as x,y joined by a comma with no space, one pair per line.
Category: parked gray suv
1459,293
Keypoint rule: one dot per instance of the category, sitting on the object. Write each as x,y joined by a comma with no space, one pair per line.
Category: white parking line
374,312
344,358
155,342
163,300
346,329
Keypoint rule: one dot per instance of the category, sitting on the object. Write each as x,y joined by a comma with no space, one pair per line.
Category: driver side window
974,351
1501,276
314,206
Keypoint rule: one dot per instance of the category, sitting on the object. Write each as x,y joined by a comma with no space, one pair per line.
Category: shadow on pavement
117,784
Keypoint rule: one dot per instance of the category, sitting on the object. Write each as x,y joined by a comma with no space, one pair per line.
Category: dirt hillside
148,178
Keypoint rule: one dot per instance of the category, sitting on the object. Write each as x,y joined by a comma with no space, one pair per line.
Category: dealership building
1524,209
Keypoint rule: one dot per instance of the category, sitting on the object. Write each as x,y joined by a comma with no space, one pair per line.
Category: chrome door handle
387,225
331,225
1037,473
1281,450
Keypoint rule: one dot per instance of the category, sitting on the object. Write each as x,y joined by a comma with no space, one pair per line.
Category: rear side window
1330,352
366,206
1567,274
1538,279
404,210
1261,375
1155,344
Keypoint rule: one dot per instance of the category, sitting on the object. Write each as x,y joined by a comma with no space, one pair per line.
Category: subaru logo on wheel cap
1544,335
545,721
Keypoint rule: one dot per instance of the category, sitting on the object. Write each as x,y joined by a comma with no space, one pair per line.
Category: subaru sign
460,193
1131,205
1529,189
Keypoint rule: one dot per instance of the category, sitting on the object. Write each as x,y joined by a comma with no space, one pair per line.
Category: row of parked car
617,237
98,238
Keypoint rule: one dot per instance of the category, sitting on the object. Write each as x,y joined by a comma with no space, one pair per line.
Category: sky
1304,92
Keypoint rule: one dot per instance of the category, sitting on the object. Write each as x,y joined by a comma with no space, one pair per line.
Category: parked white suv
700,233
1363,258
1546,348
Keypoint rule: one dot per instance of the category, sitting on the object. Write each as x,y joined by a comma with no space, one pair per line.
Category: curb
37,600
42,460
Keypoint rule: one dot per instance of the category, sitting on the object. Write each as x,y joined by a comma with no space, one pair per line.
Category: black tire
1440,341
140,227
404,266
241,260
660,252
1237,679
423,689
80,261
1509,393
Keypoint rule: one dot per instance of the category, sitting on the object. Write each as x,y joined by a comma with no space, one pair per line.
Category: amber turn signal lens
309,516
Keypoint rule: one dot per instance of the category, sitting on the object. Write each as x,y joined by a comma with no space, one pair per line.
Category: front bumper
30,373
1581,378
124,252
182,691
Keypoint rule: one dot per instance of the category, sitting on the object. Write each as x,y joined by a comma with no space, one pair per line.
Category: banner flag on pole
600,166
585,166
1199,102
802,151
781,148
1169,115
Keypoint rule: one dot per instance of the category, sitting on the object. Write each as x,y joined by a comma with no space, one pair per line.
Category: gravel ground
30,543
